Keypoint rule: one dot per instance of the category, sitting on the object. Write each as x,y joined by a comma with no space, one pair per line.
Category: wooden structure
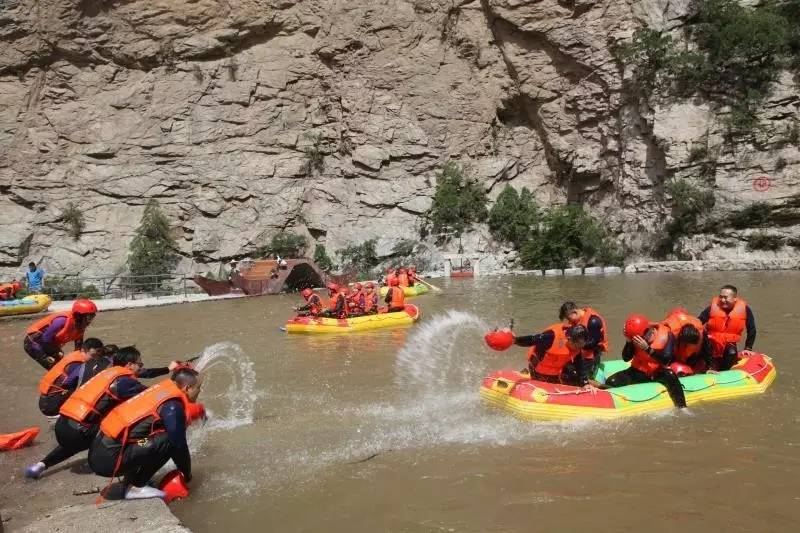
264,276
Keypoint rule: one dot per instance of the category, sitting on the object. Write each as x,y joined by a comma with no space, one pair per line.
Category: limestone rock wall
212,106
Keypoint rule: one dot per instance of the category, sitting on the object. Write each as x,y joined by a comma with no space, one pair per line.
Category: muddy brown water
384,431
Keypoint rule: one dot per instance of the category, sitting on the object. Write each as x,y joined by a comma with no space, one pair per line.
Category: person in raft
649,348
83,411
46,337
140,435
370,299
553,353
725,320
313,305
691,345
402,276
62,379
391,273
412,276
34,278
8,291
337,307
395,297
355,301
596,344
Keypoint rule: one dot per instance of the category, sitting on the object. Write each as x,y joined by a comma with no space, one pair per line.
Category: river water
384,431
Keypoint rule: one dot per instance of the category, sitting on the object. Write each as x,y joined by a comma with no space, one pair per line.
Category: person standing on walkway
34,278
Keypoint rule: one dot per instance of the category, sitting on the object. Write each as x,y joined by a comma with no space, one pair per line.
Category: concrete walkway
116,304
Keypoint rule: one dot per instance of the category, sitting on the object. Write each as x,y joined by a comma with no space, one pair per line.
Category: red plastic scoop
499,340
174,486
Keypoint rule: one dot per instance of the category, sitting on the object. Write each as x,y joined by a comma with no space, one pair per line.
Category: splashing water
221,363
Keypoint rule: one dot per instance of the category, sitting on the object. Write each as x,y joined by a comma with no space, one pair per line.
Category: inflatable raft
307,324
516,393
409,292
34,303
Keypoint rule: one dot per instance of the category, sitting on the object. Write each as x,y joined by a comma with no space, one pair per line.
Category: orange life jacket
675,322
557,356
12,288
69,333
727,327
588,312
370,301
138,417
315,304
53,379
389,278
403,277
357,299
94,397
642,360
398,299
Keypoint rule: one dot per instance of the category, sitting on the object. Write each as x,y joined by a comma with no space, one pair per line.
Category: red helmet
681,369
635,325
358,286
499,340
307,293
394,282
332,287
84,307
678,311
370,285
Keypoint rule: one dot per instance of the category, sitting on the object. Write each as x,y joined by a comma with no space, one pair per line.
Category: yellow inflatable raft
34,303
409,292
309,324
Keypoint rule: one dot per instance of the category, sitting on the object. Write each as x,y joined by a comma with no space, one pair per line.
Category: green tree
322,259
152,251
458,202
285,244
514,216
360,257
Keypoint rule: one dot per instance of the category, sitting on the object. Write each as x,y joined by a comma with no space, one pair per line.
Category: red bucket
499,340
174,486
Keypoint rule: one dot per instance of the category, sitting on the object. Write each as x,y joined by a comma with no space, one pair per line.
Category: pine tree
152,251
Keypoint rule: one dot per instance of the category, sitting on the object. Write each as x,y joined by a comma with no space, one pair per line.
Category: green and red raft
516,393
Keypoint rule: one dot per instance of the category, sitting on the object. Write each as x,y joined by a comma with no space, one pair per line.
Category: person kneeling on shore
139,436
650,351
45,338
83,411
554,353
62,379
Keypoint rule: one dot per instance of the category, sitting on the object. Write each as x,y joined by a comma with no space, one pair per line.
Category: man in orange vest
395,296
596,345
553,353
650,350
83,411
370,299
8,291
355,302
62,379
726,319
313,305
140,435
337,308
691,345
46,337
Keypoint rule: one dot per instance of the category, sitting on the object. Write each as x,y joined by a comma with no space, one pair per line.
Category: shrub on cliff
764,241
754,215
73,220
690,204
284,244
322,259
152,252
514,216
458,203
739,53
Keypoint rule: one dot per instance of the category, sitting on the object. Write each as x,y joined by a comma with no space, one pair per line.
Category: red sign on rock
762,183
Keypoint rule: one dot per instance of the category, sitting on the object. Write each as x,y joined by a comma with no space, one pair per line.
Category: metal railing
65,287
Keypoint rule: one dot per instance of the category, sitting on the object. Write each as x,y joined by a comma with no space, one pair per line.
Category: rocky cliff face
216,108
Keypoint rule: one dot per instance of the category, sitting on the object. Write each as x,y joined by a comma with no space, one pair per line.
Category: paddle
430,285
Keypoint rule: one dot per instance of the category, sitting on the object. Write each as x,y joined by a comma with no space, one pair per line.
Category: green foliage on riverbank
736,53
152,252
552,238
691,204
458,203
359,258
65,288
